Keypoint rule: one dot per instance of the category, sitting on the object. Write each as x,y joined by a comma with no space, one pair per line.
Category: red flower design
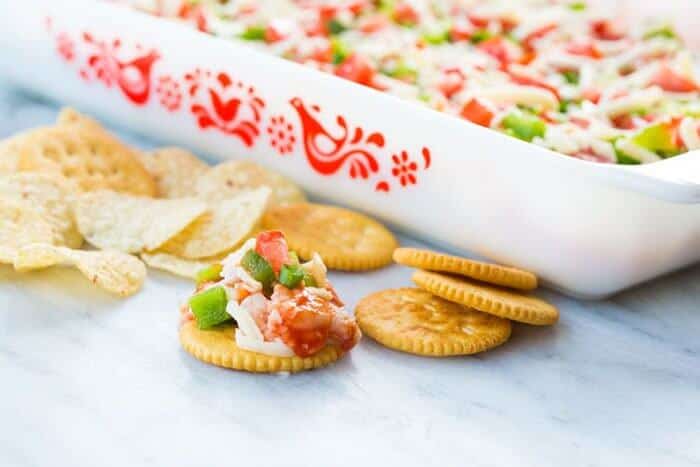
404,169
281,135
65,46
169,93
228,105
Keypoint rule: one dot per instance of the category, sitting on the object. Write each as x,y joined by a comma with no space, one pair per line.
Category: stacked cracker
461,307
72,182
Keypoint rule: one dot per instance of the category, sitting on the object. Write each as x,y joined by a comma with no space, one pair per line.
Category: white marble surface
88,380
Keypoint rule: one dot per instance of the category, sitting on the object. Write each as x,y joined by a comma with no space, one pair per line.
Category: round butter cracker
486,272
346,240
415,321
489,299
217,346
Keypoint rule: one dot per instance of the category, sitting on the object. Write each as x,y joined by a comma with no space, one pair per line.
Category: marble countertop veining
89,380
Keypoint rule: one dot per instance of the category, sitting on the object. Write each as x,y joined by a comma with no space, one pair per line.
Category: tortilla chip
179,266
113,271
234,177
9,157
21,225
174,170
48,194
86,153
227,224
132,224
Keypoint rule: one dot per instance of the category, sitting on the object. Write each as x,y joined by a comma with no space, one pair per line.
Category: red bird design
134,76
327,154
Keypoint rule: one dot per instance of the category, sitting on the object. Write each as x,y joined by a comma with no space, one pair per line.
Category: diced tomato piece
272,246
356,68
327,12
588,155
272,34
451,82
507,24
526,80
316,28
373,24
674,125
538,34
322,53
496,47
193,12
478,21
305,320
460,32
580,122
670,81
528,56
586,49
476,112
592,95
356,6
624,122
404,13
607,30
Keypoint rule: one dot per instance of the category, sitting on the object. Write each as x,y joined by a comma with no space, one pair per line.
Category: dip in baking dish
551,72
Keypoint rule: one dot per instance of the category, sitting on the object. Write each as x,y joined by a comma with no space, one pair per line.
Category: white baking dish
588,229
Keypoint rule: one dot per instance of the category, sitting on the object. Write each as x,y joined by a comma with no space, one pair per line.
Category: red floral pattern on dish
169,93
65,46
235,108
111,63
281,134
328,153
220,102
404,169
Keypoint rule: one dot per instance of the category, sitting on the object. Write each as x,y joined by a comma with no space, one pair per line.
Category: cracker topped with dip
262,310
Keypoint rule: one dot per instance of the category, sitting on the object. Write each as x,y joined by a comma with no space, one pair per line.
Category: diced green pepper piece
260,269
254,33
437,37
571,76
309,280
401,71
523,126
624,159
386,6
564,105
209,307
577,6
658,138
339,50
291,275
690,109
209,274
480,36
335,27
665,31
